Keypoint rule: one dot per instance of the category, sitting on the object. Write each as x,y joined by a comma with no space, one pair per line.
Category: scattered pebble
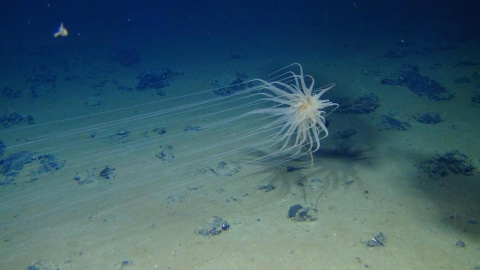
214,226
450,162
299,213
460,243
378,240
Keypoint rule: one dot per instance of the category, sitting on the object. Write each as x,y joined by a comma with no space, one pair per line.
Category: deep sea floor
92,177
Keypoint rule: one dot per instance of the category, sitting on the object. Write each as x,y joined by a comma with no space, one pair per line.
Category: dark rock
460,243
41,75
214,226
106,172
268,187
11,93
2,148
292,212
122,132
225,169
300,213
349,182
345,134
450,162
94,175
428,118
378,240
43,90
466,64
48,163
95,100
42,265
391,123
391,82
120,136
293,168
476,99
463,79
155,79
161,92
192,128
175,199
423,85
364,104
165,153
11,166
160,131
12,118
233,87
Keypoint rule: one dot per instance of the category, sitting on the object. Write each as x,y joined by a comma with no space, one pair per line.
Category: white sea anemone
300,110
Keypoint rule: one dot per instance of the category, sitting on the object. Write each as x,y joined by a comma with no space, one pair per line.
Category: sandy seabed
148,214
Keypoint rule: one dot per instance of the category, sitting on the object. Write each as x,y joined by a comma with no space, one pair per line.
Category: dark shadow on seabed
333,167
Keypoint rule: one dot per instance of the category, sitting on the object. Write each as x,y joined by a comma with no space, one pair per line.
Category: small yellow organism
62,31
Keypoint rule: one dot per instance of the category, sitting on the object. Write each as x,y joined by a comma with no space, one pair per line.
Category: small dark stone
378,240
476,99
299,213
160,131
214,226
463,79
391,82
466,63
122,132
125,263
161,92
12,118
345,134
364,104
42,265
391,123
423,85
460,243
155,79
450,162
192,128
428,118
2,148
222,165
41,75
292,212
11,93
267,188
166,153
292,168
11,166
106,172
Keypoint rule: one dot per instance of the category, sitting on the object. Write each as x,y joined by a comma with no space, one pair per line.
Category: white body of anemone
300,112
